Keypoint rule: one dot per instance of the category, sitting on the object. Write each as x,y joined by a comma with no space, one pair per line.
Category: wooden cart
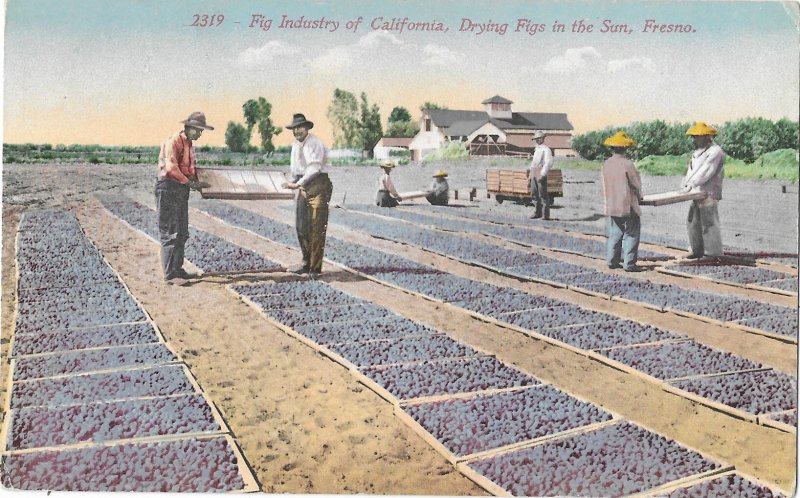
512,185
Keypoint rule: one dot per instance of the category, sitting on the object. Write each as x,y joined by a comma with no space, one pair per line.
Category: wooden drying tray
671,198
414,194
245,184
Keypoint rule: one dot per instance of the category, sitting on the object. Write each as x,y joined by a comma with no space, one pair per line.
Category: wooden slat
671,198
415,194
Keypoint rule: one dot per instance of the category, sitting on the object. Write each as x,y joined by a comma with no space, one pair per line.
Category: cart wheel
499,199
550,201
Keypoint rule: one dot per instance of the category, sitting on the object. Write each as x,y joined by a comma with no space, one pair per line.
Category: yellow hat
388,165
440,173
700,128
620,139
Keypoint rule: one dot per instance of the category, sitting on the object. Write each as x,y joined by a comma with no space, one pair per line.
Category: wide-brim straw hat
538,134
619,139
440,174
299,120
197,120
700,128
387,165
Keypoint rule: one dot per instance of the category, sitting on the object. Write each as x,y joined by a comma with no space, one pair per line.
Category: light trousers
705,238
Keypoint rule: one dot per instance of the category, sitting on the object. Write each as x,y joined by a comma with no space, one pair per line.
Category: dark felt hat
197,120
300,120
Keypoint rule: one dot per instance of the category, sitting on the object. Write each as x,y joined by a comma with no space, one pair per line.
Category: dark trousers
384,199
539,195
172,203
311,220
440,199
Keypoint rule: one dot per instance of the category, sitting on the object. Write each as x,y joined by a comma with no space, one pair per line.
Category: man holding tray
622,190
310,168
705,172
177,174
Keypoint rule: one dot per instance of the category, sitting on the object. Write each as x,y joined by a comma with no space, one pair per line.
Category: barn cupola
497,107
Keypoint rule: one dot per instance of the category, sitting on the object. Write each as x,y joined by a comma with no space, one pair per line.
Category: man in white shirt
537,175
705,172
309,166
387,195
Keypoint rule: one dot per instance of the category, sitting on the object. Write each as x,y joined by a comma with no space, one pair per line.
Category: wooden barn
496,130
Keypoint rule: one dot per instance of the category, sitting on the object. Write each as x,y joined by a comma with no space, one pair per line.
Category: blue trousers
172,203
623,240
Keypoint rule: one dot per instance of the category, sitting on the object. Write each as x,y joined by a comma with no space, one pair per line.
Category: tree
237,137
370,125
343,115
400,124
399,114
431,105
266,131
257,112
402,129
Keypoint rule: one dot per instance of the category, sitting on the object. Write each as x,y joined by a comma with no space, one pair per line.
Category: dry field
660,393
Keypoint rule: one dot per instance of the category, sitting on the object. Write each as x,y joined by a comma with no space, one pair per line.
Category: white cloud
439,55
267,54
622,64
573,60
333,60
339,58
374,39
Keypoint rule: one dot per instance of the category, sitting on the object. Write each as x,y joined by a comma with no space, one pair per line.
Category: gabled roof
395,141
464,128
460,123
497,100
443,118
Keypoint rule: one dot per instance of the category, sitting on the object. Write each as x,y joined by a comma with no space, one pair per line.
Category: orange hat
620,139
700,128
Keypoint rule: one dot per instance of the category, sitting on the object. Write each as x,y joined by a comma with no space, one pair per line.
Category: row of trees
356,123
359,127
354,128
745,139
257,114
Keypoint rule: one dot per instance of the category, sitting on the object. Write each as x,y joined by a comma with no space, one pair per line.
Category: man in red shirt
176,175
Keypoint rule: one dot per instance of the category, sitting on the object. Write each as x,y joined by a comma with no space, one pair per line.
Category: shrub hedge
746,139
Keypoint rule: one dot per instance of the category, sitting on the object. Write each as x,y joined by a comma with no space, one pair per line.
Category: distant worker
176,176
622,191
705,172
439,190
541,164
387,195
309,166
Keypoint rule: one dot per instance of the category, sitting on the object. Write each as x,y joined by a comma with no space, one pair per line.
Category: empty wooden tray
245,184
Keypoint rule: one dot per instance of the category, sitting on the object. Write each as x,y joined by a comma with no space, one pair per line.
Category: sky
127,72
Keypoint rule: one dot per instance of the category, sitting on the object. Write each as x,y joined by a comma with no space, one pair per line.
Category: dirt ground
307,426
